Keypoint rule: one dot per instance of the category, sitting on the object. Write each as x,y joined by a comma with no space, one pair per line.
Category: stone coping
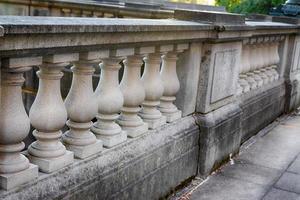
209,17
29,24
41,25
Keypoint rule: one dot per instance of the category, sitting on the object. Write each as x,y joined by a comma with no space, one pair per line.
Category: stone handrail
125,109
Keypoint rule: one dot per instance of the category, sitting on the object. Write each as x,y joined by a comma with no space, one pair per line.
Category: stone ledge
121,171
209,17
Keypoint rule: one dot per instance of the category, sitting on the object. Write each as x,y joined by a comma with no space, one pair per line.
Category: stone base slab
49,165
110,141
82,152
9,181
170,117
153,124
137,131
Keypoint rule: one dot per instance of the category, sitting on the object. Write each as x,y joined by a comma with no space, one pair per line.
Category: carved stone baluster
110,100
260,71
171,84
15,168
267,63
243,85
154,90
254,62
48,115
275,59
81,104
134,94
246,62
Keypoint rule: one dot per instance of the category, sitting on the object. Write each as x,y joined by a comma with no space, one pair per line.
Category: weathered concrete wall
261,107
219,137
148,167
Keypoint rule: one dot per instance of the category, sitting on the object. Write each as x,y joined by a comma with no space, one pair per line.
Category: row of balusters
258,65
128,108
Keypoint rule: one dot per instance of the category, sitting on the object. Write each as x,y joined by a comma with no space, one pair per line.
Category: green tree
249,6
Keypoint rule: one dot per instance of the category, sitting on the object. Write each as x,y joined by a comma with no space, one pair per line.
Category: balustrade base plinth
136,131
82,152
171,117
155,123
112,140
49,165
12,180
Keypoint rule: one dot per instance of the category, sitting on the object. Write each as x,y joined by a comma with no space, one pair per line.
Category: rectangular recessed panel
223,75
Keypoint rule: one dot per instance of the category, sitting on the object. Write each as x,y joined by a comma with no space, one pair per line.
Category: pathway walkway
268,168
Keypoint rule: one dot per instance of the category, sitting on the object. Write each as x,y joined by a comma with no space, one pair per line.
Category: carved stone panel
223,70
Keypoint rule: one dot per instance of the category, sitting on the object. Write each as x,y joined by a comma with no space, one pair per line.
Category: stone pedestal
12,180
49,165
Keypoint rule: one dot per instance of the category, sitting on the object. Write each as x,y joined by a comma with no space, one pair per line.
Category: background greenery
249,6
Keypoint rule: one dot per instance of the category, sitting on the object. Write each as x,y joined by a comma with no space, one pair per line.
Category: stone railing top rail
46,35
28,24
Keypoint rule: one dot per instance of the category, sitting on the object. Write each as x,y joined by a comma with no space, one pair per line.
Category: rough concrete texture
267,168
219,137
261,107
147,167
208,16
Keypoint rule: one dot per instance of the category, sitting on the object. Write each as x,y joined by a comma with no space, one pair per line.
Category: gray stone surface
289,182
209,16
13,25
147,167
261,171
276,194
251,173
219,137
295,166
265,104
220,188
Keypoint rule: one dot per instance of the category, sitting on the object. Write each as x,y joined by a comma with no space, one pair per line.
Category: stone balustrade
259,63
161,83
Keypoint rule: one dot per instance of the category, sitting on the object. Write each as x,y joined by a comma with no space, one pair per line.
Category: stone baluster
244,68
254,63
259,70
81,105
266,56
48,116
262,70
110,99
274,48
171,83
15,168
249,67
154,88
134,93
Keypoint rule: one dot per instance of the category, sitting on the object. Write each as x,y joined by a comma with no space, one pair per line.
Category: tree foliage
249,6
